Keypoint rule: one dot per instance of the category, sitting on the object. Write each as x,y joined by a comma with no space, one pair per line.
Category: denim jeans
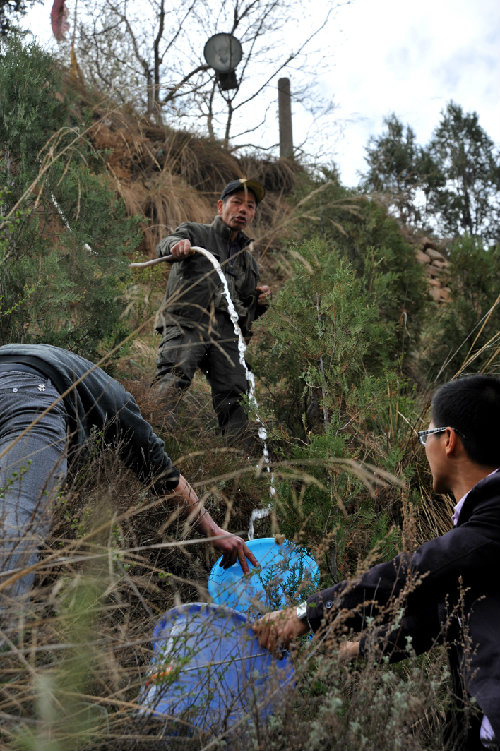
31,472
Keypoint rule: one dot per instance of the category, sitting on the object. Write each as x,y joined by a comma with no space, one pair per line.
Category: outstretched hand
231,546
276,630
233,549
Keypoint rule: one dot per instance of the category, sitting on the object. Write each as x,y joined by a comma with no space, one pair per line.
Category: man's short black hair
471,405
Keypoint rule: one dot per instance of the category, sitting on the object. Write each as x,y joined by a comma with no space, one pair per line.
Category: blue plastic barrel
208,672
286,575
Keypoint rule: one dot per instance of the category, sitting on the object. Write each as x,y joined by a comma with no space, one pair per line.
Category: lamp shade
223,52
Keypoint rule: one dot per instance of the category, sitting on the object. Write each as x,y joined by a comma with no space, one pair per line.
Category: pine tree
467,199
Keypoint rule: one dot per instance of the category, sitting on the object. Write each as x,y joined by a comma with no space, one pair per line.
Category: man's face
438,461
238,210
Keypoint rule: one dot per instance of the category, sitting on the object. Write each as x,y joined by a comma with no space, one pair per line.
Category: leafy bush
336,402
321,335
361,707
372,242
64,235
32,104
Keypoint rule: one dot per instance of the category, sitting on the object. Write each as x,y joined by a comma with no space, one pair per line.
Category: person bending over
51,400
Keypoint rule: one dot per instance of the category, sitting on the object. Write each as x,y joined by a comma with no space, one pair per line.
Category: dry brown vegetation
167,176
77,655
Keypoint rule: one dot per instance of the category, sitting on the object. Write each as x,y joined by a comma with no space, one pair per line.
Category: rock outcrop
436,267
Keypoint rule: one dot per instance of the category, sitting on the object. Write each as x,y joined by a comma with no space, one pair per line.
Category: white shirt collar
458,507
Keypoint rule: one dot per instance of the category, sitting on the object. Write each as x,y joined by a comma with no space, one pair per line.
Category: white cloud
411,59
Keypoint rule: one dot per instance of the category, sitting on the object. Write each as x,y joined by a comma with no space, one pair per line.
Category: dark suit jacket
458,574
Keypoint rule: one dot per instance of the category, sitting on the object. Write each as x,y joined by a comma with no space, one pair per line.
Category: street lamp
223,52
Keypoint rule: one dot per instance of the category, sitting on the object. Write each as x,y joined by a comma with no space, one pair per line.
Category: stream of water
260,513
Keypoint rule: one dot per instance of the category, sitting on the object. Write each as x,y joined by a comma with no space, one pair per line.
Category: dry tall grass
170,176
76,656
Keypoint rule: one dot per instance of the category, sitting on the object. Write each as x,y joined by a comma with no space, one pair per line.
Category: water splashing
261,432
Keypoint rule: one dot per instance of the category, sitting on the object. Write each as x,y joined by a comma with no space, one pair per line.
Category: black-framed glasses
423,434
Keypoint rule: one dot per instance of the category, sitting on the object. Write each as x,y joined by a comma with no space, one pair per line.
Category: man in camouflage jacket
196,329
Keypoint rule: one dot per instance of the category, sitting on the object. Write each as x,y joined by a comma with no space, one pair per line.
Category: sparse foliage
152,56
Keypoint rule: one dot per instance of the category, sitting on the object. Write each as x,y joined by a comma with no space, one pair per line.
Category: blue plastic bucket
286,575
208,671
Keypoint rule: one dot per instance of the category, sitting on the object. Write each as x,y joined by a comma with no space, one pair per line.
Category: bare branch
172,92
149,54
287,61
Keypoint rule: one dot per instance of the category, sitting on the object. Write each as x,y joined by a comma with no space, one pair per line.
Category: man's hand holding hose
182,249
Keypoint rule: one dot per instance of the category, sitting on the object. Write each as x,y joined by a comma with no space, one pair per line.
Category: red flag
59,21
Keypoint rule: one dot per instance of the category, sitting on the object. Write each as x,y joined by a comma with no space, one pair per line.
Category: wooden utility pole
285,118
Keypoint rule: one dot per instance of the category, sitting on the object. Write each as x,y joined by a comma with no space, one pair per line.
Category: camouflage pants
215,351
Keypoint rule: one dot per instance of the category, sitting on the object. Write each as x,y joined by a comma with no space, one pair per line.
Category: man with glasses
449,587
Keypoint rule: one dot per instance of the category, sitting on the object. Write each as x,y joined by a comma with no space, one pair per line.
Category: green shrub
464,332
32,104
322,335
372,242
336,401
64,235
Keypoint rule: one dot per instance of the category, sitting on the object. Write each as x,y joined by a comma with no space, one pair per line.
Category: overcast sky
412,58
393,56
